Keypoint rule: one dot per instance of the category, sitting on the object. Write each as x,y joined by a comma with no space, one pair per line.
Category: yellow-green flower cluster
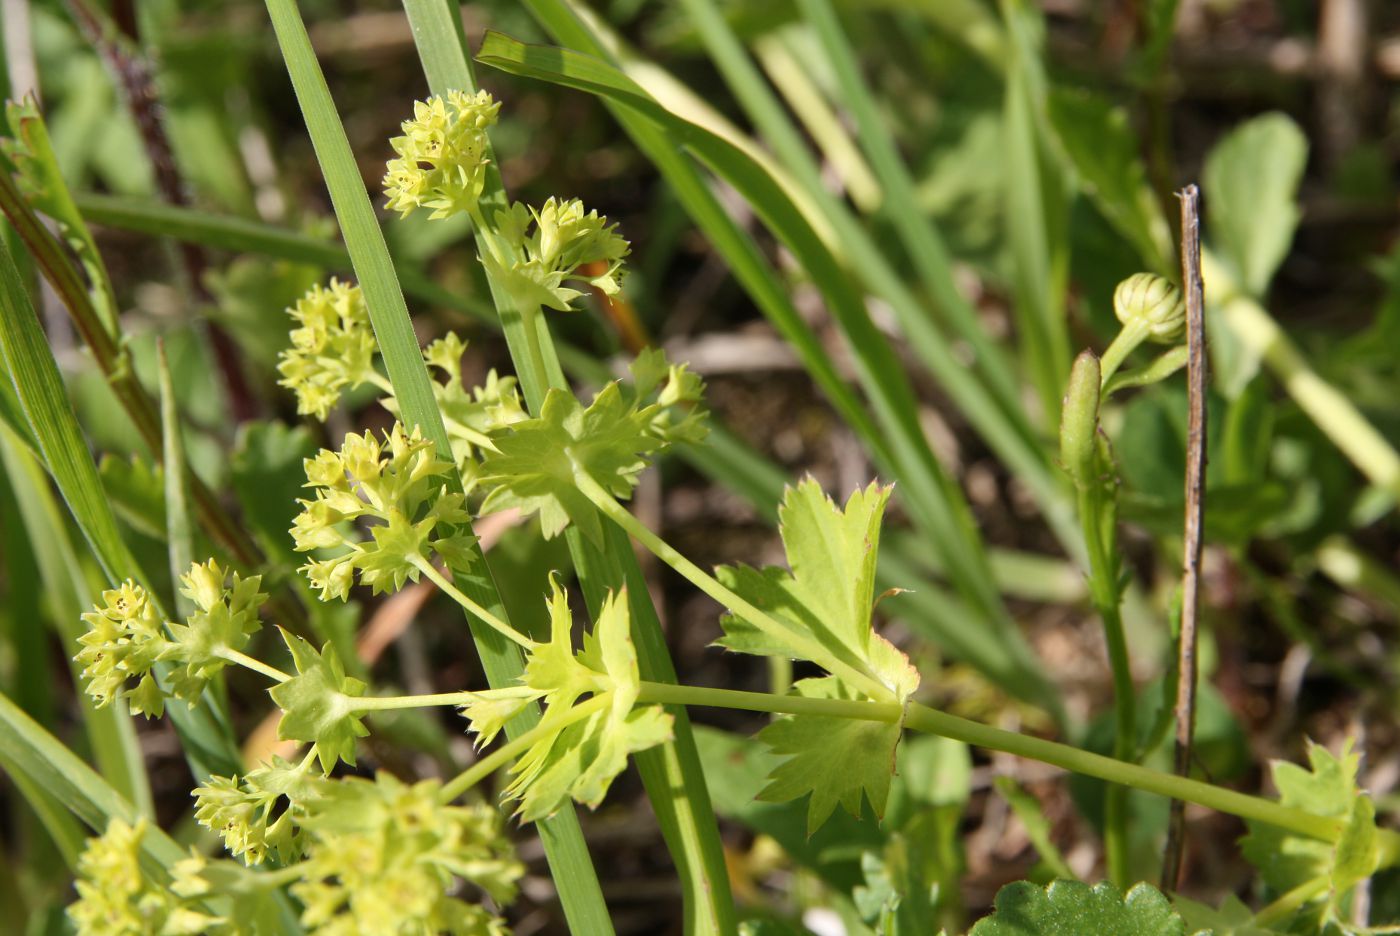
670,398
258,813
385,859
117,898
558,242
124,641
332,350
126,638
470,414
398,487
442,155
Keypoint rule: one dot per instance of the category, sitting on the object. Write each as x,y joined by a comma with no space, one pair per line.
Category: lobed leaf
1328,788
1072,908
534,466
865,762
313,703
828,596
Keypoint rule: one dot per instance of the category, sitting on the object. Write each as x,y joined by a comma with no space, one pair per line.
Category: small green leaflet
826,601
313,703
1286,860
1072,908
582,749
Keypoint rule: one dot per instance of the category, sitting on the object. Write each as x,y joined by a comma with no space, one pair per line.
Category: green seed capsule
1150,300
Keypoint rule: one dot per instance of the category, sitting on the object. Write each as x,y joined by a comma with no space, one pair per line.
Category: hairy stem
453,592
1129,337
1103,587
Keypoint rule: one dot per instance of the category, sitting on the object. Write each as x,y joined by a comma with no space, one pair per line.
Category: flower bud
1153,302
1079,419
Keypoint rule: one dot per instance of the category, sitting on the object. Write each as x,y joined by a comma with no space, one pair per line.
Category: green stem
489,764
387,703
453,592
1289,903
1103,587
931,721
711,586
1127,341
257,666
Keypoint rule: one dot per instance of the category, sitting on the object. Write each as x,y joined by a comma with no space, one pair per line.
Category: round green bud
1145,299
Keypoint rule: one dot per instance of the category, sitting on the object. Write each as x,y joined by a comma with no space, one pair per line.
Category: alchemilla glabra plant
311,844
344,854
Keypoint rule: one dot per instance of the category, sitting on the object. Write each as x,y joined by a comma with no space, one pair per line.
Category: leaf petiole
931,721
452,591
388,703
257,666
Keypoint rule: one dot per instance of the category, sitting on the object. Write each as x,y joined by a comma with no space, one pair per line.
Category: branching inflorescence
388,857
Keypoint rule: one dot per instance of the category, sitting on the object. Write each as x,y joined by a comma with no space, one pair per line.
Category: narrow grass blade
179,530
921,240
30,752
31,367
568,854
1037,211
241,234
994,409
110,731
672,773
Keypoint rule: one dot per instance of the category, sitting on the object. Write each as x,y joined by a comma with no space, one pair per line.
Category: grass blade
932,499
28,751
921,240
241,234
1038,230
568,855
672,774
31,366
179,530
110,730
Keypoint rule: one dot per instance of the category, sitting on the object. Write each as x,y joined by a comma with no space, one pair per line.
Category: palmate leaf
829,594
826,600
865,764
1072,908
313,703
534,466
1329,788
